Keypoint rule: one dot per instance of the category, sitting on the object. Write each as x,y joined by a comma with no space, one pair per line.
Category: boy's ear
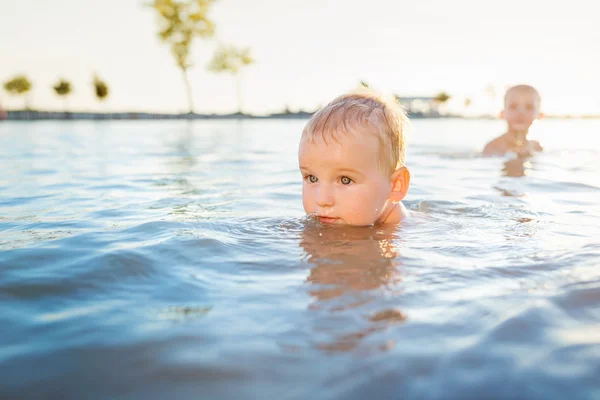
502,114
541,115
400,183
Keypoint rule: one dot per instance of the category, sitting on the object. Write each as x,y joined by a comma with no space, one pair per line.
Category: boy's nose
324,196
523,110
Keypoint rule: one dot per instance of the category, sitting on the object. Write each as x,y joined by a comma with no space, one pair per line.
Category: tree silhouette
231,60
100,88
179,23
63,89
442,97
18,86
490,91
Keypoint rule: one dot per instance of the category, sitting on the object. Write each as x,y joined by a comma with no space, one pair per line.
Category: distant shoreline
23,115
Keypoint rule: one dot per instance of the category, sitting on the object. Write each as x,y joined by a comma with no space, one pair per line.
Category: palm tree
17,86
441,99
3,114
232,60
100,88
467,101
492,94
181,22
63,89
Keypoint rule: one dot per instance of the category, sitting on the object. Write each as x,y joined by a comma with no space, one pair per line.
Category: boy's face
521,108
342,182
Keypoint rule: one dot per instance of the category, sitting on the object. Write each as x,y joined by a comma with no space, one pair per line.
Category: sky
308,52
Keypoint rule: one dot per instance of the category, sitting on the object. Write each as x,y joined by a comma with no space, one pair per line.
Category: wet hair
523,88
363,111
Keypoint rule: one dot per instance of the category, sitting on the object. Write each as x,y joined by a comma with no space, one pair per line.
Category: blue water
154,260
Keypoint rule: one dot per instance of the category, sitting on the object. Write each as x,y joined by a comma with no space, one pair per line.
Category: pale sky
309,51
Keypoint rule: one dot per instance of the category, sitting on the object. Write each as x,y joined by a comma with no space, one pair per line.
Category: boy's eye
312,179
345,180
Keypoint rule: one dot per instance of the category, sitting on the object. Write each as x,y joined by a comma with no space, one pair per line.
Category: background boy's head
351,156
521,107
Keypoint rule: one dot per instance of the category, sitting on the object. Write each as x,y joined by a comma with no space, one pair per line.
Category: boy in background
521,109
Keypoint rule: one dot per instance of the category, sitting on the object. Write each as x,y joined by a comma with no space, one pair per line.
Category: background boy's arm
535,145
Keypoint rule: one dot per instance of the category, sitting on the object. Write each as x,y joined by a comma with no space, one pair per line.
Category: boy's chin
519,127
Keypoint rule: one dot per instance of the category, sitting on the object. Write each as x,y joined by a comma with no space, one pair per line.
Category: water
171,259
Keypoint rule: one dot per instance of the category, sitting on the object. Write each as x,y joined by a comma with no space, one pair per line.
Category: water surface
172,260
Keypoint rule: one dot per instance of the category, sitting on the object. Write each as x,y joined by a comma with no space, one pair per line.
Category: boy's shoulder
497,146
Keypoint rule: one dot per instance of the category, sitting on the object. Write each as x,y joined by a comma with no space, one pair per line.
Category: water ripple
157,259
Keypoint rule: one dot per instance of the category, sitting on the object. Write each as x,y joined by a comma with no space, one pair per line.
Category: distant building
425,106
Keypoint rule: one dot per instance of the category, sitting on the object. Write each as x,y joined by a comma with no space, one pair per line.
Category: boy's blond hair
523,88
364,110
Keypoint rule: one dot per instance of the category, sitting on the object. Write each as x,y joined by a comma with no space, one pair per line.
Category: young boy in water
351,157
521,108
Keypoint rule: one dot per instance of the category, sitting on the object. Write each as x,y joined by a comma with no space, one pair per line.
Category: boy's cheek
307,208
307,201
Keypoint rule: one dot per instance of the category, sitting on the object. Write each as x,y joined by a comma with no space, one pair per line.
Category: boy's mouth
326,220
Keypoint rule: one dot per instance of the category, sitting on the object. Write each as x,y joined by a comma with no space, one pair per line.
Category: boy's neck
516,136
395,214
